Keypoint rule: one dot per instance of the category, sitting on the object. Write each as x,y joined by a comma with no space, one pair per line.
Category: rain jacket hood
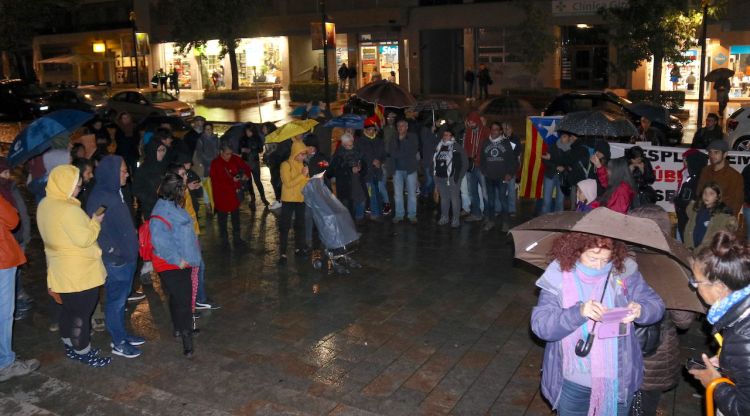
62,182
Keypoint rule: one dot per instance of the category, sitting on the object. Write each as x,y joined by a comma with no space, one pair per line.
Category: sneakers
18,368
206,304
386,209
135,340
455,224
54,327
92,358
97,324
136,296
125,349
275,205
473,218
443,221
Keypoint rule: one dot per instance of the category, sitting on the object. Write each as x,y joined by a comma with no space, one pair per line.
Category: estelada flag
540,133
380,114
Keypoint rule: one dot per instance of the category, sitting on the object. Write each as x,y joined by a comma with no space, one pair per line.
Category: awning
74,59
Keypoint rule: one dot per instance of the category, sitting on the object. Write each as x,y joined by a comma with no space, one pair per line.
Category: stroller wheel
340,268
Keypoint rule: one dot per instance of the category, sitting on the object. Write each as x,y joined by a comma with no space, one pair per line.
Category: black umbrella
597,123
719,73
387,94
652,111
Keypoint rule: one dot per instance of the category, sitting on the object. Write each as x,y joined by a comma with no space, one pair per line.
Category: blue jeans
400,177
574,401
201,294
376,198
473,180
117,287
7,304
428,187
383,188
496,189
551,184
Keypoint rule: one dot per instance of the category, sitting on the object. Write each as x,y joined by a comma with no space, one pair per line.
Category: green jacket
718,222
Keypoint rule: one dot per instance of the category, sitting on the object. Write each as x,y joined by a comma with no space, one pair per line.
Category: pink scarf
601,363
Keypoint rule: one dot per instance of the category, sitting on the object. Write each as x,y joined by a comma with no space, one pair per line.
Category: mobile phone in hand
693,364
101,210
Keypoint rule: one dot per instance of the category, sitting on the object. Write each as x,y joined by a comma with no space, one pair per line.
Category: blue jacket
118,238
177,241
551,323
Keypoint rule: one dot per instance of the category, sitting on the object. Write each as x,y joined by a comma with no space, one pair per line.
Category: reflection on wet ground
435,322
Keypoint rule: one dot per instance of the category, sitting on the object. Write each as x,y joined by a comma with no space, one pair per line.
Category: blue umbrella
37,136
347,121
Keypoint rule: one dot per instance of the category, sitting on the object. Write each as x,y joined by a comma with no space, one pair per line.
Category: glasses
695,283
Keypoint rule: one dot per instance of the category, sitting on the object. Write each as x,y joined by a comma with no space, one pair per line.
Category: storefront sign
583,7
720,59
669,168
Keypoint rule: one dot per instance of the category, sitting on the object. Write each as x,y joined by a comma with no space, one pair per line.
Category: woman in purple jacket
589,275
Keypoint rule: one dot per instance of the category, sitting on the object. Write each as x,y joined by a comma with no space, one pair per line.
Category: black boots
187,343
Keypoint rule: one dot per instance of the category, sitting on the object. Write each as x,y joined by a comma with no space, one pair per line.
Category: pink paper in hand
611,325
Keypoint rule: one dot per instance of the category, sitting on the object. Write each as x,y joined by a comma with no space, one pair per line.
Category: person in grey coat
403,164
449,164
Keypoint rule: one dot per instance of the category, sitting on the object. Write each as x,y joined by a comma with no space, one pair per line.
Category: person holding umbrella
589,276
721,275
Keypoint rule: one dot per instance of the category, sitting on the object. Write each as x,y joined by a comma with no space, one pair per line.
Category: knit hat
720,145
588,188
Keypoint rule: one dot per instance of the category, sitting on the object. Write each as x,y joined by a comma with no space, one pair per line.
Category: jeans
552,184
200,295
484,92
117,288
428,187
574,401
512,195
495,188
475,179
7,304
746,214
235,225
401,177
376,197
255,166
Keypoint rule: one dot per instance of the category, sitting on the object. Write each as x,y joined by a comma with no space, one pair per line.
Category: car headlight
170,112
27,100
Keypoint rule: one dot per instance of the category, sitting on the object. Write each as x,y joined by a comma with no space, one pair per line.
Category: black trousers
289,209
75,317
224,233
179,287
276,181
255,166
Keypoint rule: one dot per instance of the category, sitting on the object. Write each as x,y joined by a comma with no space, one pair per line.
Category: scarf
721,307
445,156
562,146
601,364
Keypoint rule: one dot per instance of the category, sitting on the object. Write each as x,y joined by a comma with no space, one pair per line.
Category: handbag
649,338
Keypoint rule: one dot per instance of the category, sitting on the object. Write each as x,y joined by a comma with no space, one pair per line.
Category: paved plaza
436,322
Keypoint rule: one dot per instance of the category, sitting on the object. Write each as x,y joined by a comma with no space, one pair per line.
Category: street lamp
99,47
131,17
702,77
325,56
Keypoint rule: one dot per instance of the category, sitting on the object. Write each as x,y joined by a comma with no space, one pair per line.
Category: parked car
612,103
85,99
738,128
144,103
21,100
510,109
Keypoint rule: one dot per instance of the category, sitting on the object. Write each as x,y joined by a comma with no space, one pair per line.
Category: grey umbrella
651,111
597,123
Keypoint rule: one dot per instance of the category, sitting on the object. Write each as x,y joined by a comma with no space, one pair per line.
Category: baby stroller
335,228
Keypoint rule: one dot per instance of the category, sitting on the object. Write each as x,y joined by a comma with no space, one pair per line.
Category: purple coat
551,323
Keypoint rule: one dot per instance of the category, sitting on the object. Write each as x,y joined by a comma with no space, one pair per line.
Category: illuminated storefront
378,57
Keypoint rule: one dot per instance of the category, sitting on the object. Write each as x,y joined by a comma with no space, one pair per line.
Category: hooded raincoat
292,178
148,178
74,259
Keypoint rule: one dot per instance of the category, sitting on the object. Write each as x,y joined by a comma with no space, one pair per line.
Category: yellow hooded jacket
292,179
74,259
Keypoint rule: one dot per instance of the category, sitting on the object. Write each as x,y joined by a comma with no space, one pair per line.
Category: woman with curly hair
589,275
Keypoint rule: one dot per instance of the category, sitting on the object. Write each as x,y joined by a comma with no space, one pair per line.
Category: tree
532,40
645,29
198,21
20,21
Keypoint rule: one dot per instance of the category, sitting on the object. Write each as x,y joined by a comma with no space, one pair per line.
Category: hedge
673,100
302,92
243,94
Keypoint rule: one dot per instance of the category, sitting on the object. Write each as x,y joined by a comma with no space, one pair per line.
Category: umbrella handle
583,348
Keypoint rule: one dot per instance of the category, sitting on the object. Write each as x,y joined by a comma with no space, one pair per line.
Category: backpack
145,248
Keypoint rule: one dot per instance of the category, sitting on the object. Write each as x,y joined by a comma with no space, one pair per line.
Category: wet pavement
436,322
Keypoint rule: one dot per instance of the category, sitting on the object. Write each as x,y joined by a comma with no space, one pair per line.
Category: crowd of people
128,204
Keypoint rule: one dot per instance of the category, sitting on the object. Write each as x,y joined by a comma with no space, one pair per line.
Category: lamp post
131,17
702,76
325,57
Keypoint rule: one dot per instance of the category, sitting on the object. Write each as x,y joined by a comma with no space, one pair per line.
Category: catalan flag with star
540,132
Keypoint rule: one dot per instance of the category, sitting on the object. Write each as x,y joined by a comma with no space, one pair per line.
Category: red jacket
224,186
11,254
474,138
620,200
